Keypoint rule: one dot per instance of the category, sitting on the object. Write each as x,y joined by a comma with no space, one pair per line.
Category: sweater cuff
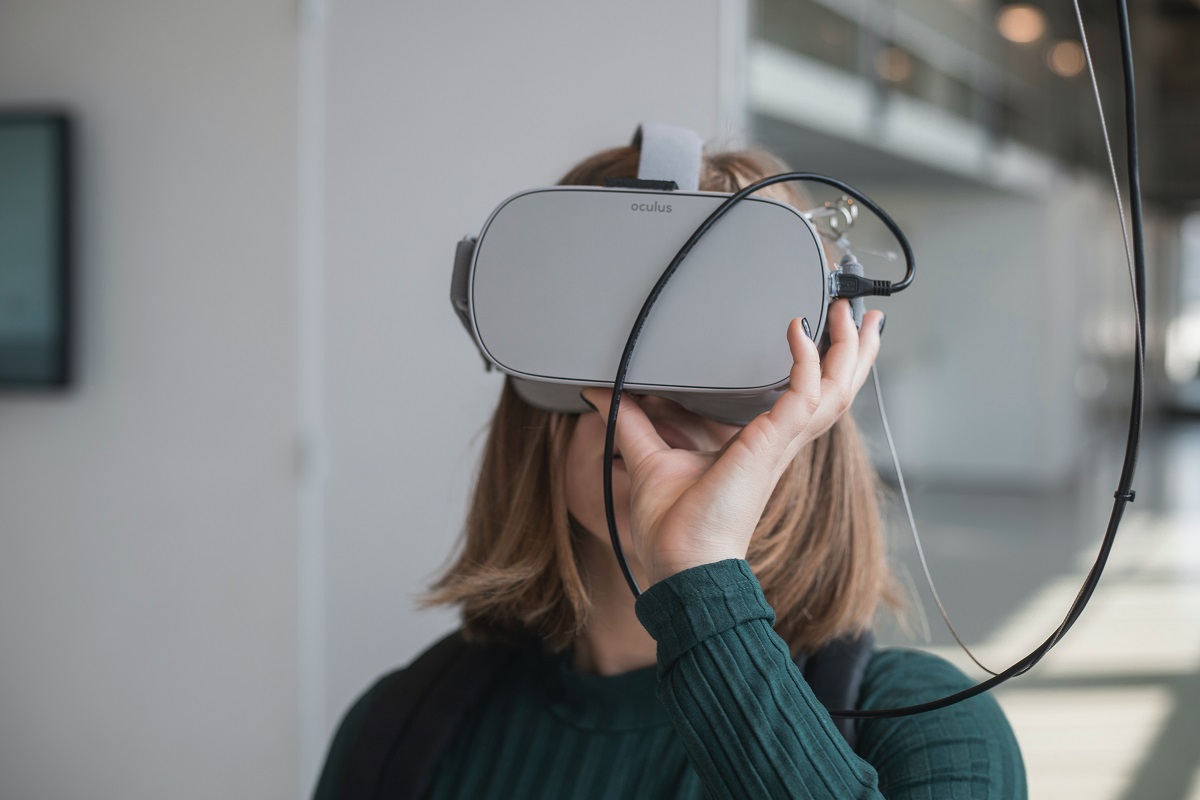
699,603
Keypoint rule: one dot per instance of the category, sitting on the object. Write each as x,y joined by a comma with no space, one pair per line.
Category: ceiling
1055,116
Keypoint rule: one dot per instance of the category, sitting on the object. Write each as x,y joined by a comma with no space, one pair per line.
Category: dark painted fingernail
589,402
807,329
882,322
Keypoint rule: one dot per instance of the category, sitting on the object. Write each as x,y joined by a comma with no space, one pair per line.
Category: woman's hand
691,508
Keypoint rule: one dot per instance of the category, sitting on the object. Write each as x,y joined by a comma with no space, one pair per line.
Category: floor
1113,713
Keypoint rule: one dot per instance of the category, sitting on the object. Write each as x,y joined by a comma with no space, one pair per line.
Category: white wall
147,556
164,558
436,113
985,360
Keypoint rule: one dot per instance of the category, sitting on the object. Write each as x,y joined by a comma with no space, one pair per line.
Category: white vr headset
551,287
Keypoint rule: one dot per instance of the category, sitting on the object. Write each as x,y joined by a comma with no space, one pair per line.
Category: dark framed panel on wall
35,248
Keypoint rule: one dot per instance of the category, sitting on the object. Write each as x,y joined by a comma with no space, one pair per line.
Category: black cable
866,286
1124,493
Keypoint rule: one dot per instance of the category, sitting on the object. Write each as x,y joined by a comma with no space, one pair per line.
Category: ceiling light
893,65
1021,23
1066,58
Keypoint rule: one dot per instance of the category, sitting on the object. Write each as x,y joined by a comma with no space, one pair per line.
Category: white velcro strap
669,153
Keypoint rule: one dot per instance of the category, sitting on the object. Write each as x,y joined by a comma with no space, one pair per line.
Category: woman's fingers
792,411
839,364
821,389
868,347
636,436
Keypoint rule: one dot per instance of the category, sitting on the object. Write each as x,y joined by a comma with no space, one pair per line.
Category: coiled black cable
1124,493
871,287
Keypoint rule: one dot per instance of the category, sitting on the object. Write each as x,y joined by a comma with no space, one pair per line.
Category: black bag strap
414,716
417,711
835,674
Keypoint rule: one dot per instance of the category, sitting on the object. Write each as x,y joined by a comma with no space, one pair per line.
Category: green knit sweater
726,714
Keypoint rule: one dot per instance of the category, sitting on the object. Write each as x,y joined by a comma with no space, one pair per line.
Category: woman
758,545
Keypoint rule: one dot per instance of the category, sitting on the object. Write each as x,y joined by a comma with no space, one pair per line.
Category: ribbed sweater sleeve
752,727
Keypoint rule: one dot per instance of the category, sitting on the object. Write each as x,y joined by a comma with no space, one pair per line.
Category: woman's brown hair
818,549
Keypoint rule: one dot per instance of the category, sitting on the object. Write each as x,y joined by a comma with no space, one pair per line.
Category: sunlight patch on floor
1141,619
1079,743
1140,631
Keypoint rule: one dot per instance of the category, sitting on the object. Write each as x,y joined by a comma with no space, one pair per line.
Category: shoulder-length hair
818,550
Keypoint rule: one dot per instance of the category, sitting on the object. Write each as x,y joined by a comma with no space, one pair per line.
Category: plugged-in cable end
843,284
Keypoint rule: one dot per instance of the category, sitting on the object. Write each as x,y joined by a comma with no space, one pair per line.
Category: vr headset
551,287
